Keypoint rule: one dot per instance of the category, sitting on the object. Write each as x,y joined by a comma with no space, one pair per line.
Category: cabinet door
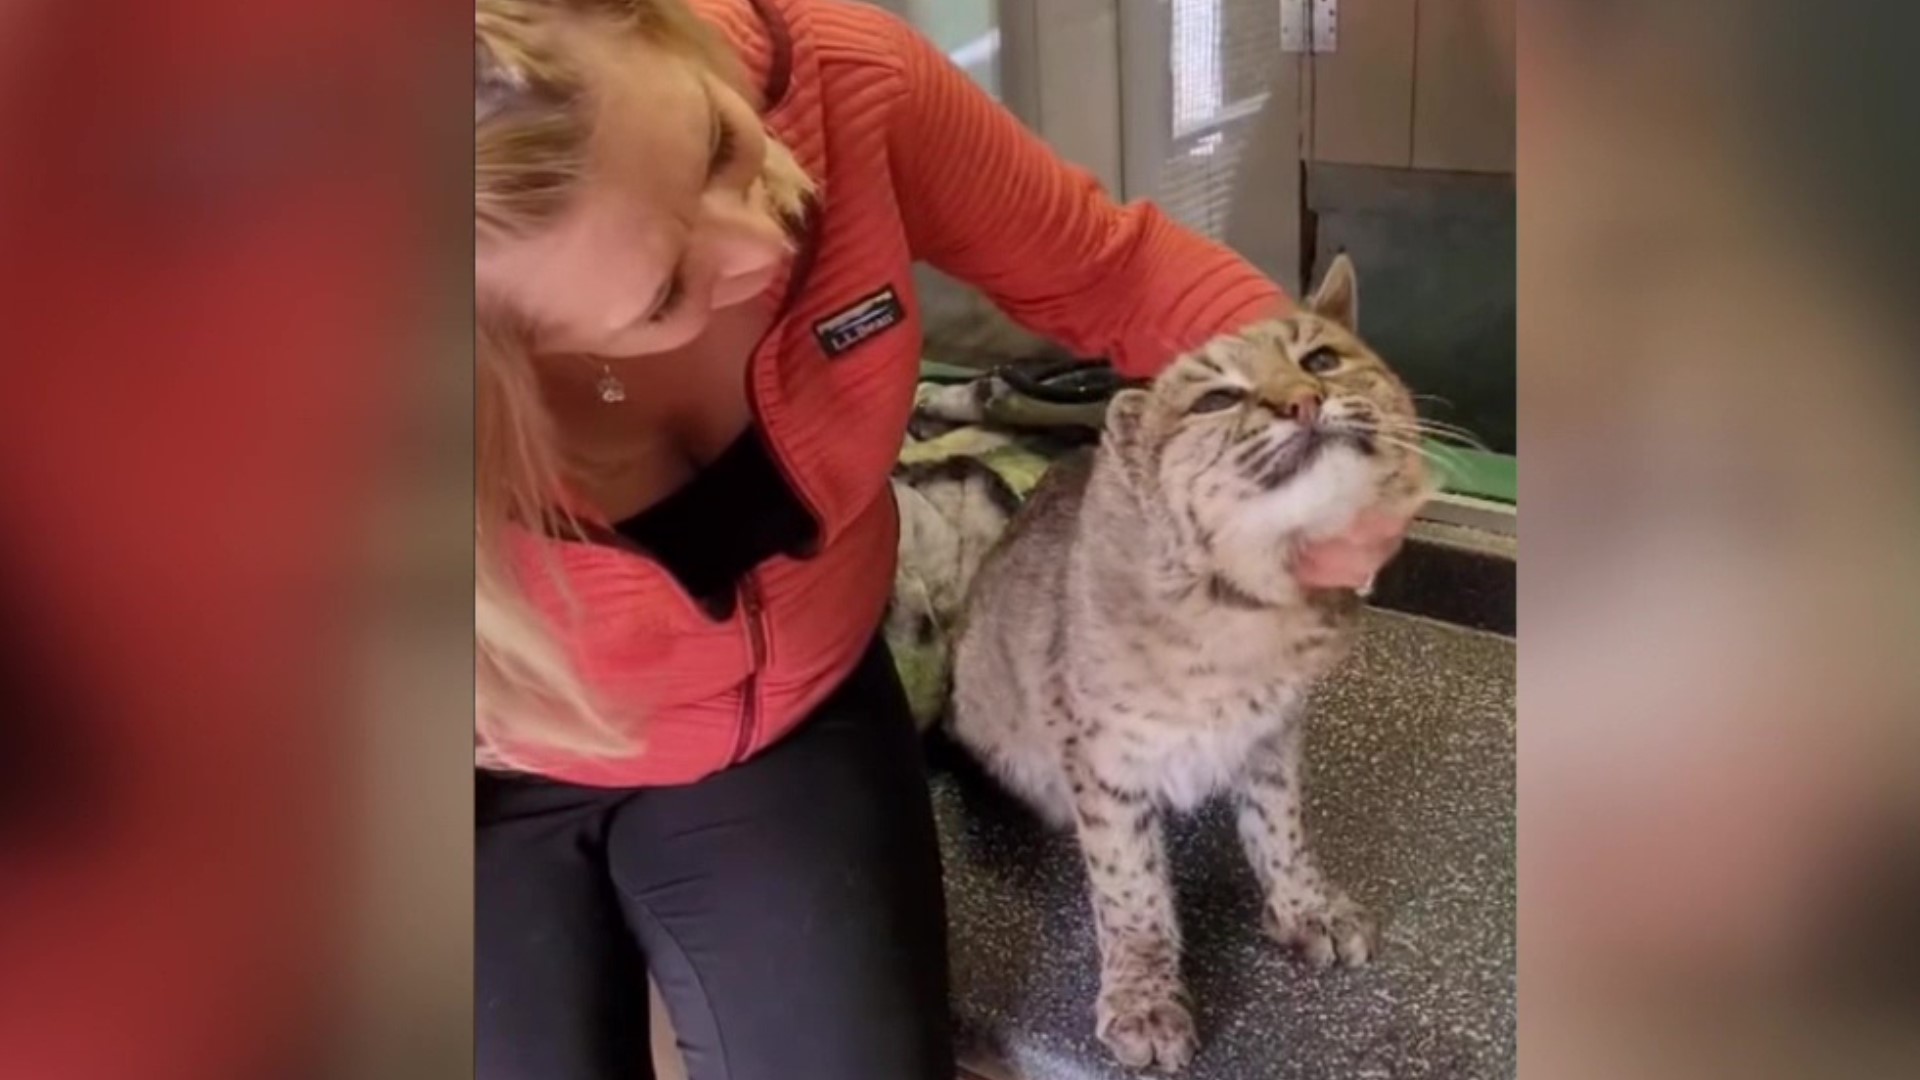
1463,87
1423,84
1363,90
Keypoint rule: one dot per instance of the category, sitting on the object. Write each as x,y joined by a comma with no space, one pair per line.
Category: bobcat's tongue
1350,559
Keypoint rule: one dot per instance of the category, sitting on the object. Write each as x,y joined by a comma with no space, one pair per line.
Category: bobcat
1135,642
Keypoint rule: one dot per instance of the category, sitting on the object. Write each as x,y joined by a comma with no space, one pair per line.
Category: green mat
1482,475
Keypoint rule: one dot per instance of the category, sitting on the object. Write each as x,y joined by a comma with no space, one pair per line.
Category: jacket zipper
753,611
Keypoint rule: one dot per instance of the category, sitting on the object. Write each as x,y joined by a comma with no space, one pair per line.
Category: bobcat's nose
1301,405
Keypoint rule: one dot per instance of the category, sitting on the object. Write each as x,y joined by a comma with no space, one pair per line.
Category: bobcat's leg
1142,1015
1303,909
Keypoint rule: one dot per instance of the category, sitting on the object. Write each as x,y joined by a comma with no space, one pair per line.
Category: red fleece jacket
913,162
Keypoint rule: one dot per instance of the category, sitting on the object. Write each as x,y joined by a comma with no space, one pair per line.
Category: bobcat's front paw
1145,1025
1323,929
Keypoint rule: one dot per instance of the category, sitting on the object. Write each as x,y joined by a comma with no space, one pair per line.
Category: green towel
956,492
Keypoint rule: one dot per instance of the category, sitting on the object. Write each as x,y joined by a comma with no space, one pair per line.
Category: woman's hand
1351,559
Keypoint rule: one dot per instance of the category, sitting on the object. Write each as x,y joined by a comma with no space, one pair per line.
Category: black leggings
790,909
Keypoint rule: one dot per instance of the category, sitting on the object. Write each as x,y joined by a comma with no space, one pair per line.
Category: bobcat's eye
1216,400
1320,361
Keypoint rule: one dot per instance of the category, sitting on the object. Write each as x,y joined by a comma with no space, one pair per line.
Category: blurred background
234,479
1719,784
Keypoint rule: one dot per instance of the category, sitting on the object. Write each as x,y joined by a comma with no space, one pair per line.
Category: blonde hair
532,122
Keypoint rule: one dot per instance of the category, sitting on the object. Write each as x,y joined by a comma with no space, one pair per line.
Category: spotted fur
1135,643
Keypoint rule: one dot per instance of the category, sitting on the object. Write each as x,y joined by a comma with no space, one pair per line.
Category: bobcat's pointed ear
1338,297
1126,414
1126,434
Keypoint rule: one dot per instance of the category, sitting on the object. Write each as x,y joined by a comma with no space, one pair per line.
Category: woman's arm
986,201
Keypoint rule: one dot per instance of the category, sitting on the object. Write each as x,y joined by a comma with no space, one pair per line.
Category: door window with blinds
1222,59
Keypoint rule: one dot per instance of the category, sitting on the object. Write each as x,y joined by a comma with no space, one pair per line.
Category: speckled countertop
1410,795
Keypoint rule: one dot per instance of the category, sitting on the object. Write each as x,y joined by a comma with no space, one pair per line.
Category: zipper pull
753,609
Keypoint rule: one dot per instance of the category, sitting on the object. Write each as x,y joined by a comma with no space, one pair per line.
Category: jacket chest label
859,322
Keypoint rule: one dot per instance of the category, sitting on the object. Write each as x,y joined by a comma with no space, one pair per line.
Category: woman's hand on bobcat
1351,559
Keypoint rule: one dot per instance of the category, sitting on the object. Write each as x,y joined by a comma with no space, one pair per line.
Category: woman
698,347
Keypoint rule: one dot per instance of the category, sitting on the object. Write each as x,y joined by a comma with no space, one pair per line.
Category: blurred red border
213,227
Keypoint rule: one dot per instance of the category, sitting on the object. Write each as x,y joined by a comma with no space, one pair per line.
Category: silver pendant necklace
612,390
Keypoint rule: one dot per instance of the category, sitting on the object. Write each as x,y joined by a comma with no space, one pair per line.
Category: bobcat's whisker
1443,431
1444,458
